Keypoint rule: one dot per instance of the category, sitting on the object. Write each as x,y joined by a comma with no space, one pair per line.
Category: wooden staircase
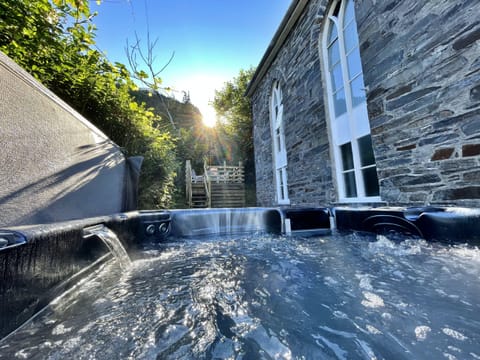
199,196
219,187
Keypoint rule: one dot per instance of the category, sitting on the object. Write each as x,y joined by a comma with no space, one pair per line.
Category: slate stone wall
421,62
422,66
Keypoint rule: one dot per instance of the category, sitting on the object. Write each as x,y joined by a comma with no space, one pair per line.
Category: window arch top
277,100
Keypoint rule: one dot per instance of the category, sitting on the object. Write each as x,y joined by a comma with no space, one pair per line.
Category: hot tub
247,283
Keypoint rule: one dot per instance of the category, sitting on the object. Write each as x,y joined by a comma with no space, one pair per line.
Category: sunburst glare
209,115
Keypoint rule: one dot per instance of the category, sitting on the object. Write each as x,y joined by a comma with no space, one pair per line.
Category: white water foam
454,334
372,300
421,332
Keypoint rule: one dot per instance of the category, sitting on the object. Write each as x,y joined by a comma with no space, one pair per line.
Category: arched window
278,139
349,125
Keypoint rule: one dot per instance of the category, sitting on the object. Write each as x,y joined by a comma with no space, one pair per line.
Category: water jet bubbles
421,332
372,300
454,334
60,329
364,281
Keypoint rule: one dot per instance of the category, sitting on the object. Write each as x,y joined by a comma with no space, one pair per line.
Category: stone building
371,102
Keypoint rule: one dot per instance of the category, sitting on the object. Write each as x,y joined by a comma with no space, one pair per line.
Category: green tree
55,41
234,111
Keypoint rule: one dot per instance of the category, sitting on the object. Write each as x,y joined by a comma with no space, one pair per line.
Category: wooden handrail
208,184
226,174
188,183
212,175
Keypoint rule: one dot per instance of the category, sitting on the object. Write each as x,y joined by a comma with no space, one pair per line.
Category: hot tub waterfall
110,239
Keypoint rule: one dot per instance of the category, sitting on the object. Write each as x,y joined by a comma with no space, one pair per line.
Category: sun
201,88
209,116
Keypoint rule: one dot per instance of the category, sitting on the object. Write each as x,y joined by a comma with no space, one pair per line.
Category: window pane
350,185
280,179
349,12
354,64
333,32
337,78
358,91
279,143
333,54
339,102
347,156
366,150
277,96
371,181
351,37
336,11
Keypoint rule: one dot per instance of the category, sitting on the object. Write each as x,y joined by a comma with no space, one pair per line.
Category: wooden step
222,195
228,195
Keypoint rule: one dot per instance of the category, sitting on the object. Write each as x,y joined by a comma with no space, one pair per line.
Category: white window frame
279,151
346,127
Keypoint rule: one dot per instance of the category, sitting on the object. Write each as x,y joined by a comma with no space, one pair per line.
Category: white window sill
371,199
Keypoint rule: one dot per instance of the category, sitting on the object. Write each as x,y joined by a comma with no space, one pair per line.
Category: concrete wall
421,62
54,164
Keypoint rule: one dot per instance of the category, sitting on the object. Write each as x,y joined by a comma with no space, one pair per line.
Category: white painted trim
332,121
280,164
365,199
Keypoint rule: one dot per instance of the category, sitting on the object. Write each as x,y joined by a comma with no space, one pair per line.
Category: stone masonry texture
421,64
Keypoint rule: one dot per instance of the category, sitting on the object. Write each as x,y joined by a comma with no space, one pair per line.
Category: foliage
55,41
234,110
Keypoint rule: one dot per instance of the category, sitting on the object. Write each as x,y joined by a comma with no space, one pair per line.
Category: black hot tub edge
445,224
449,224
40,262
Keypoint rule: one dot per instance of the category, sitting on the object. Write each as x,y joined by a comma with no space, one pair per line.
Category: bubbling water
337,297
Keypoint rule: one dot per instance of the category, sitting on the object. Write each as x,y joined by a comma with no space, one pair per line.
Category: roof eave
293,13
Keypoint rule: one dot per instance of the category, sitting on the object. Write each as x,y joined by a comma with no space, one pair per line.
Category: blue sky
212,39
